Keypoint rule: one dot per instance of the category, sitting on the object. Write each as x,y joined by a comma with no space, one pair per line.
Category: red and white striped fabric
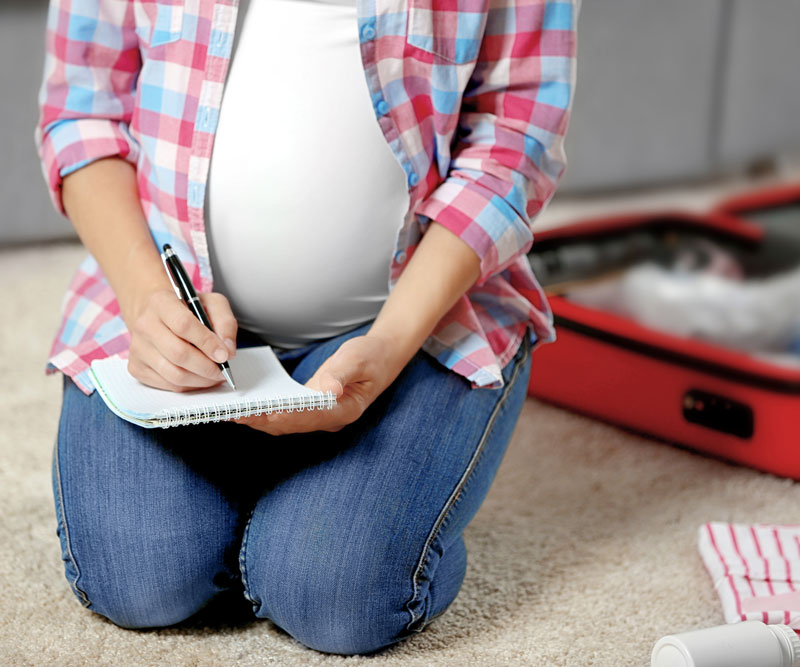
755,569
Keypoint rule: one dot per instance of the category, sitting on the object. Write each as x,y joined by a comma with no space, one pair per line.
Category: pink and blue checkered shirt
472,96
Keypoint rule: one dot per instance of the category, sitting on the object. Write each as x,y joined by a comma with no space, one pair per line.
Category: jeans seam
243,560
62,518
456,493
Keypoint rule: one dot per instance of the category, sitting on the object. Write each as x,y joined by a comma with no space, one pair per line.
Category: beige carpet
583,554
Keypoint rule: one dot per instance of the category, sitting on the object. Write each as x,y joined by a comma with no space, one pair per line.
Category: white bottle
747,644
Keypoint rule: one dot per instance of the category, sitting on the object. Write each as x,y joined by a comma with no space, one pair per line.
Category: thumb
328,378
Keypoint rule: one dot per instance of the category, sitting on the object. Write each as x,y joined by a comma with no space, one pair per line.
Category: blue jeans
349,541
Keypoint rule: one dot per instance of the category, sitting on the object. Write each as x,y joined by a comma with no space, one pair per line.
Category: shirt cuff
67,145
482,219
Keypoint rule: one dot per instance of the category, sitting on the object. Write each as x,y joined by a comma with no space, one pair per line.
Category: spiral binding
245,408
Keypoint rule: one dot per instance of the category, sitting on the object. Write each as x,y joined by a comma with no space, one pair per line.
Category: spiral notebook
263,386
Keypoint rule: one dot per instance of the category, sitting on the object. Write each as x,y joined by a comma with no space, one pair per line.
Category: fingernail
231,345
220,354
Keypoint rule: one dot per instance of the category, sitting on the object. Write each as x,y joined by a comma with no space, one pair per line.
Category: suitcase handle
718,412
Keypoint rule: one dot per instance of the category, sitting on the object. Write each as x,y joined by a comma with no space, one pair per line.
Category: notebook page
256,370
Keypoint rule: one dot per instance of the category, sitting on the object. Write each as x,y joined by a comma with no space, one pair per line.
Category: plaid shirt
472,96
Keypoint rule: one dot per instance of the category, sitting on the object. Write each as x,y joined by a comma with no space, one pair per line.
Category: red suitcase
713,399
776,209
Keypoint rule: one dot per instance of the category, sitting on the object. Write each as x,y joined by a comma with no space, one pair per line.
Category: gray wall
643,100
681,90
668,91
761,108
25,209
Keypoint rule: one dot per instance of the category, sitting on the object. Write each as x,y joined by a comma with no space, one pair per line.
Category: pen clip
171,276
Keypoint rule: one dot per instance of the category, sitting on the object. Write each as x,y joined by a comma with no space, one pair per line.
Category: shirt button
413,179
400,256
368,32
383,107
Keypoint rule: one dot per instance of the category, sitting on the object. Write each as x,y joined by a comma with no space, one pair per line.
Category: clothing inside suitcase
565,265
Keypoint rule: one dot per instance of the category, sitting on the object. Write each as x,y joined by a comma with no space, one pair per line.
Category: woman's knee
345,617
137,573
131,611
142,535
161,596
142,577
355,603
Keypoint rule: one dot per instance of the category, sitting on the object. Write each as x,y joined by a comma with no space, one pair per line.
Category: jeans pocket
450,29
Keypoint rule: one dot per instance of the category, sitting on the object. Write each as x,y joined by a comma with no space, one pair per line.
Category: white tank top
305,197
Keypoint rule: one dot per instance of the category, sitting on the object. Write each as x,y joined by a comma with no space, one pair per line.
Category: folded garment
755,569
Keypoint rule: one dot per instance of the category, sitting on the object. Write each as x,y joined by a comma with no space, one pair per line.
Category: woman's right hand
171,349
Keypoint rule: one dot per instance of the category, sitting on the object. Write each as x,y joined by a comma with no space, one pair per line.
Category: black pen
185,291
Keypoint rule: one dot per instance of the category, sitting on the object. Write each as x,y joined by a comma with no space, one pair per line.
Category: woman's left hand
357,373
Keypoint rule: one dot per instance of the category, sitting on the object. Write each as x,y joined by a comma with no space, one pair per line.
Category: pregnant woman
352,183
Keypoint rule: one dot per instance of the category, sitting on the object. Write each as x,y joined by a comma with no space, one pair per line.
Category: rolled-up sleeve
508,154
87,94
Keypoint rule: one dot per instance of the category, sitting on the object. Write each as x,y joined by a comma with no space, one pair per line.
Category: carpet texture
584,552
